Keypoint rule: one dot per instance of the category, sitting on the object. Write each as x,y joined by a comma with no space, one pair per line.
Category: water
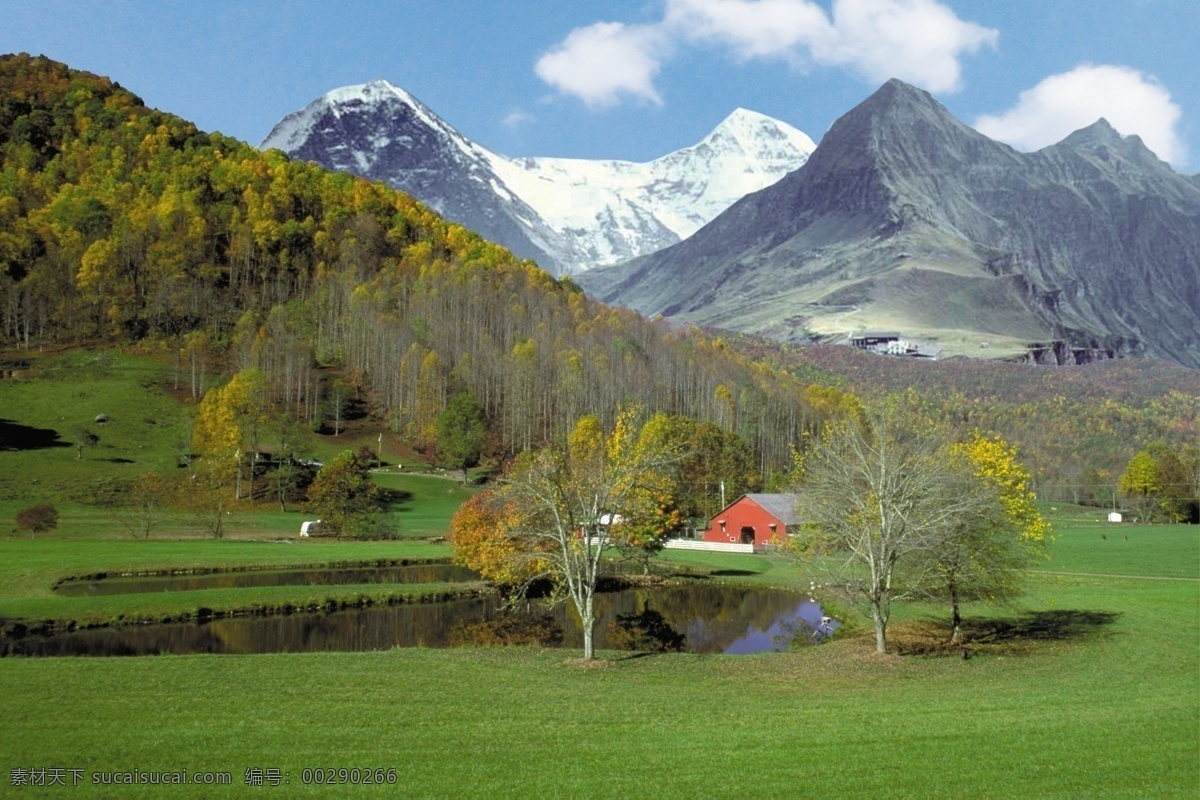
714,619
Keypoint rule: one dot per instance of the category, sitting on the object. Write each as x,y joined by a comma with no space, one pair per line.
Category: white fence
699,544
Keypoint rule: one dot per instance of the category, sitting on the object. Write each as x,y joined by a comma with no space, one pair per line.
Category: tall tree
1139,483
878,494
230,421
563,500
462,430
985,554
344,495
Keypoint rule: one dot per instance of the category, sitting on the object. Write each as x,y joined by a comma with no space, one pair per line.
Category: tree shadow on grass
15,436
1039,626
1004,635
394,499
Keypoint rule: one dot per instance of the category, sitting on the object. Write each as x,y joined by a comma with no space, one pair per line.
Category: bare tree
880,494
83,438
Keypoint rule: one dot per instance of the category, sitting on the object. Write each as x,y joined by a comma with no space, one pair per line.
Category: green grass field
1089,687
1105,702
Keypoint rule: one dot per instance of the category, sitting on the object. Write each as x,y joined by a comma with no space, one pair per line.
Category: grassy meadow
1088,687
1091,687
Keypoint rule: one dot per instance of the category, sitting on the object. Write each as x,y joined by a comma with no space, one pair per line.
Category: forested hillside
124,224
1076,427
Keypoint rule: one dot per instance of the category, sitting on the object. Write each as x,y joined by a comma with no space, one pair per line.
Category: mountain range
568,215
906,219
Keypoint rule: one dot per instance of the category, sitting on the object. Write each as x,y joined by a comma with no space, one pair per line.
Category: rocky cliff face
567,214
906,218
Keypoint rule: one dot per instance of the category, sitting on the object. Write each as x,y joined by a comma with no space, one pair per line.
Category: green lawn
1090,687
1102,702
147,432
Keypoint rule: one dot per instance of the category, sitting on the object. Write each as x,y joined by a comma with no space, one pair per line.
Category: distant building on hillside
889,343
873,339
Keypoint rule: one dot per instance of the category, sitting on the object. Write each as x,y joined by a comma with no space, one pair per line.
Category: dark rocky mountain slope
904,218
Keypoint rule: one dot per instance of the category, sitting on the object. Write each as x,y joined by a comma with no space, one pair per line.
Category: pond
324,576
712,618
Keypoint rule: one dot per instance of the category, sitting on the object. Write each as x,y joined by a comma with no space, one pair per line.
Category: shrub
37,519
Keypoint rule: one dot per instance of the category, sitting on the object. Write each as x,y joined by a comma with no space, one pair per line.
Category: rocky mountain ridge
905,218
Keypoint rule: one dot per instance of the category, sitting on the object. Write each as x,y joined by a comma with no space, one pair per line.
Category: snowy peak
379,105
755,134
567,214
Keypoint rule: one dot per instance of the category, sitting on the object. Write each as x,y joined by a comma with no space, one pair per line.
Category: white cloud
751,28
602,62
920,41
1132,102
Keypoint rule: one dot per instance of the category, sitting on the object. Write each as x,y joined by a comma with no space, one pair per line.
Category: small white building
1115,516
310,528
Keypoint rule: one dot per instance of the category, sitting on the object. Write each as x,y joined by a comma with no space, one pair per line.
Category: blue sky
635,79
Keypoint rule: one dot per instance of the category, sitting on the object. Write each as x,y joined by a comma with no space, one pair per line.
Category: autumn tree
1174,483
717,464
985,553
230,421
483,537
654,511
344,495
1140,485
878,494
37,519
209,492
287,476
559,504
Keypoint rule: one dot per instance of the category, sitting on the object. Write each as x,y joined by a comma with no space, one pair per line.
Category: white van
310,528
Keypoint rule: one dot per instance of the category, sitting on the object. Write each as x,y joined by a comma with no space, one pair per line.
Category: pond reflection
714,619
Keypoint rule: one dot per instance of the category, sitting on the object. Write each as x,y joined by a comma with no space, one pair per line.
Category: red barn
754,519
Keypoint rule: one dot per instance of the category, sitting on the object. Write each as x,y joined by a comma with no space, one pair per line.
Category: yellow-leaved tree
561,506
984,555
229,421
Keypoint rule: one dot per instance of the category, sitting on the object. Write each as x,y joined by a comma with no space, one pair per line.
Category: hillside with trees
1075,427
127,225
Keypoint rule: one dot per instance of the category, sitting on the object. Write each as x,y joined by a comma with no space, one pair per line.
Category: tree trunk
587,619
955,616
880,627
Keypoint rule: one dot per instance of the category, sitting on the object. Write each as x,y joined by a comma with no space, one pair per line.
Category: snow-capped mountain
906,219
567,214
